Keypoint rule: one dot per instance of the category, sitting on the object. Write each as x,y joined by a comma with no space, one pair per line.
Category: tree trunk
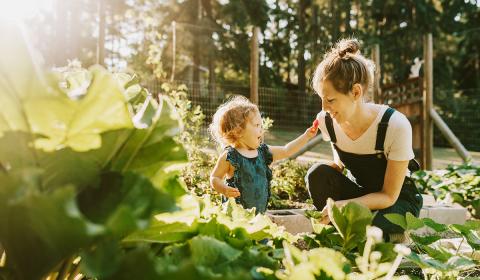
348,28
101,33
60,51
301,46
196,45
335,21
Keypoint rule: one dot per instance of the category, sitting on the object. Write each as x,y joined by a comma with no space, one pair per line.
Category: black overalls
324,181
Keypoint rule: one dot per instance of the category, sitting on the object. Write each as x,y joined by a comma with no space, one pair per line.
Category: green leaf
434,225
40,230
61,122
144,148
324,262
460,263
397,219
424,240
426,262
413,223
388,254
333,263
124,202
470,235
164,233
439,254
102,260
351,223
210,252
17,83
139,263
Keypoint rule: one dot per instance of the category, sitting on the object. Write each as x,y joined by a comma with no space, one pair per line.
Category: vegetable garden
100,179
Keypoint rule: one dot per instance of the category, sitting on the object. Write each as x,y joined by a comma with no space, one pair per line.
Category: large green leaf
444,264
139,263
397,219
210,252
351,222
64,166
19,78
413,223
39,230
472,236
62,122
123,203
164,233
425,239
144,148
318,263
434,225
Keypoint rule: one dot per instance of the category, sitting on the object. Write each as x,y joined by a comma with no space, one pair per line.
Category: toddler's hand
231,192
312,131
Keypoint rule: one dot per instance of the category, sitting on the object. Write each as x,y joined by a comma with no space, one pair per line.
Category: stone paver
295,221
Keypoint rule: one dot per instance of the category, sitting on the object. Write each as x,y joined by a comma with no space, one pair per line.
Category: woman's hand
325,218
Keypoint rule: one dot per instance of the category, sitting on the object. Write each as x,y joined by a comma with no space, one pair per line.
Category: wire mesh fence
460,109
294,110
291,110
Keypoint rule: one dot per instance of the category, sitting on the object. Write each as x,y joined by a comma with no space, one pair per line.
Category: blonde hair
230,120
344,66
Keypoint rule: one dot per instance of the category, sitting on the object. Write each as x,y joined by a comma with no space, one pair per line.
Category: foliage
213,241
436,261
90,164
201,159
288,185
456,183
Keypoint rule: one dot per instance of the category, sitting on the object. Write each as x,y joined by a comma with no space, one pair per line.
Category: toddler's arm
218,174
281,152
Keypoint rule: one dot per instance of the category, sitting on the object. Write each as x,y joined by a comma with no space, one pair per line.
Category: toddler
245,163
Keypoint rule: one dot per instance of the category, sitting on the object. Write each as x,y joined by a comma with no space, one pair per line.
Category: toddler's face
253,133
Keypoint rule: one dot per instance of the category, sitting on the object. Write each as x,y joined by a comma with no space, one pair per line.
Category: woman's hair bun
347,46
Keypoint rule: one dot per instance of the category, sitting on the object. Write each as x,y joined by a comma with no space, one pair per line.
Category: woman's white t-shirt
398,139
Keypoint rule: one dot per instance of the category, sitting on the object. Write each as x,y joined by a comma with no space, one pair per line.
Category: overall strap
382,129
331,131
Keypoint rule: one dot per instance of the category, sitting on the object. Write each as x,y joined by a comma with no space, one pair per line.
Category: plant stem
394,267
460,245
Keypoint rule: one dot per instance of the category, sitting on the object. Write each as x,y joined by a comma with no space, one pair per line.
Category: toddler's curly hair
230,120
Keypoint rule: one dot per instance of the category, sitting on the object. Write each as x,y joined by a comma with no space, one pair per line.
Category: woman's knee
319,173
318,180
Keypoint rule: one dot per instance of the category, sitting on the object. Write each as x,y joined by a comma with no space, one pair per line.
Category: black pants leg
324,181
409,200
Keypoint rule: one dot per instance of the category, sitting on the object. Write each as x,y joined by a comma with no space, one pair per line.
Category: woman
373,142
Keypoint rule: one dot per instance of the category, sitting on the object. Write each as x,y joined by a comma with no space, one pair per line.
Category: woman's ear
357,91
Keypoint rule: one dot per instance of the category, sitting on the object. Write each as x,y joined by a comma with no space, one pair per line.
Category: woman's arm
219,172
392,185
281,152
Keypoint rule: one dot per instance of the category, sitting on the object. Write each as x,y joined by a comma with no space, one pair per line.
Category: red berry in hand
314,125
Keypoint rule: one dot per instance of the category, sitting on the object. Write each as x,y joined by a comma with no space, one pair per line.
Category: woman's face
340,106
